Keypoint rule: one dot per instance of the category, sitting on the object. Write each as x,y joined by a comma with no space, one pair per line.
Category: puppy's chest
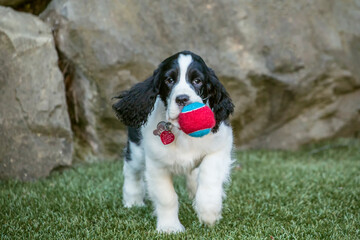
184,154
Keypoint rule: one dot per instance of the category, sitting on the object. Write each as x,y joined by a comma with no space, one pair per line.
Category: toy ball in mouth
196,119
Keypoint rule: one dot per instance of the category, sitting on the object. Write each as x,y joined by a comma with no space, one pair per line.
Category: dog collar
163,130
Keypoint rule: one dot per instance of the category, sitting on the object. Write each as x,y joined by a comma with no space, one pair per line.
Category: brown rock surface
292,67
35,132
12,3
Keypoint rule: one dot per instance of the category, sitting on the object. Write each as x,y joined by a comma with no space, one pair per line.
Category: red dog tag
167,137
163,130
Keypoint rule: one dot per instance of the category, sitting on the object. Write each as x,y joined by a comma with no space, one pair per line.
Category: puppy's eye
197,82
169,81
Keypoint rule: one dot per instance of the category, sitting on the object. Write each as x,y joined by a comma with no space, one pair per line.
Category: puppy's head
179,80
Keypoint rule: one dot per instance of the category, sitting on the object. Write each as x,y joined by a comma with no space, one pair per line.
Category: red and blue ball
196,119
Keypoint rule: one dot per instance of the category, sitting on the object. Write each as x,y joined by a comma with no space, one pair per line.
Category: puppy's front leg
213,172
163,195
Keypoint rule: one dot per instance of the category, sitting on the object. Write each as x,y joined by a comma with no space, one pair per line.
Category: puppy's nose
182,100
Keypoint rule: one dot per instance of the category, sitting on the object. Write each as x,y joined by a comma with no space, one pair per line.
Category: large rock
35,132
292,67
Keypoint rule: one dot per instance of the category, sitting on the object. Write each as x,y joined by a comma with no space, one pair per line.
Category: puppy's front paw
128,203
209,217
170,228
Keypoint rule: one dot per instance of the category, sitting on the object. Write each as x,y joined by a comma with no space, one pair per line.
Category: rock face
35,131
291,67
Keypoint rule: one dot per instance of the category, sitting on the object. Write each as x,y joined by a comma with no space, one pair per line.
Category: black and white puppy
179,80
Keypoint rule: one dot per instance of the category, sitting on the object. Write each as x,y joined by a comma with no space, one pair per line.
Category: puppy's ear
219,100
135,105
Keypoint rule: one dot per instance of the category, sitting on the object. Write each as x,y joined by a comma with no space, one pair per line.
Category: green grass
273,195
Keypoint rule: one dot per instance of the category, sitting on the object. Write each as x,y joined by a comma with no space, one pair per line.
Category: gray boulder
291,67
35,131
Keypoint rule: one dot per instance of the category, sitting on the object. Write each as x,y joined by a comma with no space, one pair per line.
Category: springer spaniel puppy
179,80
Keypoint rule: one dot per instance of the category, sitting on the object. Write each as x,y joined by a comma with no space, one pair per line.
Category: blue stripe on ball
200,133
192,107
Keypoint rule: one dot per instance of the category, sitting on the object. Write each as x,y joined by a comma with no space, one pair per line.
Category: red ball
196,119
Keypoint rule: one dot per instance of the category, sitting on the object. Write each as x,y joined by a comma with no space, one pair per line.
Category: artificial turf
309,194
